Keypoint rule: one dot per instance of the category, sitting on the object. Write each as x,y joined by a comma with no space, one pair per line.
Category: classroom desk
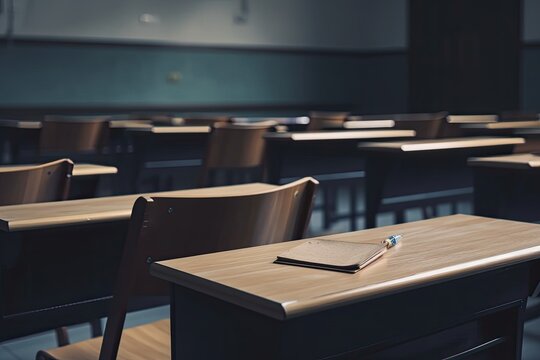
499,127
456,285
471,119
368,124
160,148
21,137
397,170
36,124
507,186
59,259
532,137
329,156
172,129
289,154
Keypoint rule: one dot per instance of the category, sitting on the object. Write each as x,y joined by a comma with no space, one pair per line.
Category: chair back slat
172,227
236,145
67,135
40,183
235,149
321,120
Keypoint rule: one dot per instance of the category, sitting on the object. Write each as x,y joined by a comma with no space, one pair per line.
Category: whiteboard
318,24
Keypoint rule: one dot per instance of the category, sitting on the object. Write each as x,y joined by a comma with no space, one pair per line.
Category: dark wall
63,74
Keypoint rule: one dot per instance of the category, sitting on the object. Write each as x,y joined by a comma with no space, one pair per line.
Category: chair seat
149,341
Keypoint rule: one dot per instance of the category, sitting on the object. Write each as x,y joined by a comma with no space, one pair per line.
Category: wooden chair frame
269,216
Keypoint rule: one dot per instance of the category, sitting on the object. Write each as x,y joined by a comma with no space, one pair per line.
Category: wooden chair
69,135
34,184
39,183
235,148
321,120
208,120
164,228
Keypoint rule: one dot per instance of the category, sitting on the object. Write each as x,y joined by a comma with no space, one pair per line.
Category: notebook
332,255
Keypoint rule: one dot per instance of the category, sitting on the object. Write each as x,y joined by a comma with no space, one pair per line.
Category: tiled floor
26,348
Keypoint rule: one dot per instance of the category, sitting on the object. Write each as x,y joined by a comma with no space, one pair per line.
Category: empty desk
326,155
455,286
507,186
59,259
397,170
499,127
160,148
291,154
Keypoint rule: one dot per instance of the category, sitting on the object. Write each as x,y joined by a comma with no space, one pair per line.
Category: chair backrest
165,228
426,125
70,135
321,120
235,146
40,183
208,120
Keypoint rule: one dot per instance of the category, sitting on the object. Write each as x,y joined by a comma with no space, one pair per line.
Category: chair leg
329,198
399,216
62,336
428,211
96,328
353,207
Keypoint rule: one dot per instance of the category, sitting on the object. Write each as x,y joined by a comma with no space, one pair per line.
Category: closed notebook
332,255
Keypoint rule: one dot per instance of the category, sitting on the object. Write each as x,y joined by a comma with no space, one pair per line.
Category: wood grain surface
339,135
441,144
513,161
172,129
431,251
112,208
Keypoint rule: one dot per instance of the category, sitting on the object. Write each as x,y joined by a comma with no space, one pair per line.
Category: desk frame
383,167
477,314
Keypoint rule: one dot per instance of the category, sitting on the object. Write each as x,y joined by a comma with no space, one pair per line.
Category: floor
27,347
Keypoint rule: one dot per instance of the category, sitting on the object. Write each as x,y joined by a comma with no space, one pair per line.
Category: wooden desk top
21,124
431,251
441,144
471,119
502,125
513,161
78,169
339,135
172,129
369,124
88,211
